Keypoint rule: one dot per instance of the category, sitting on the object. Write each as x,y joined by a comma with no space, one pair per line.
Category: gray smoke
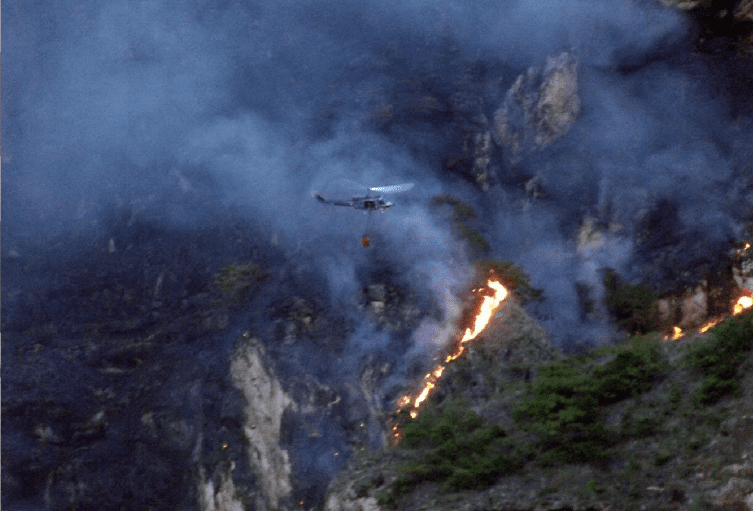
194,117
251,106
176,110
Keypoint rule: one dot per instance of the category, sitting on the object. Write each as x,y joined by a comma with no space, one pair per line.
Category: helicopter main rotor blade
393,188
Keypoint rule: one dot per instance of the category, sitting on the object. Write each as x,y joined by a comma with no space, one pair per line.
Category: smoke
182,113
177,111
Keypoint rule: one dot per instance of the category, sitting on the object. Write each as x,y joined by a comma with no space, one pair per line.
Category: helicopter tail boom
321,199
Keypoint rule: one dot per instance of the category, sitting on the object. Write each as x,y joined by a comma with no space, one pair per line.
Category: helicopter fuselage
371,203
366,203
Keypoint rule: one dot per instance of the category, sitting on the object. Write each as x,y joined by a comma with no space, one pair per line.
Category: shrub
635,368
719,360
235,282
461,213
563,413
643,425
564,408
634,306
456,447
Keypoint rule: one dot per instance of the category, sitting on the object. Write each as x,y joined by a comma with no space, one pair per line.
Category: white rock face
539,108
736,494
363,504
266,402
744,275
219,499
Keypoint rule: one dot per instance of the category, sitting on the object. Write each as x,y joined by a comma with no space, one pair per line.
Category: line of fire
742,302
489,299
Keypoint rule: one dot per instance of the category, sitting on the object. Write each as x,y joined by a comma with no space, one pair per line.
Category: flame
744,302
677,333
485,312
396,435
711,324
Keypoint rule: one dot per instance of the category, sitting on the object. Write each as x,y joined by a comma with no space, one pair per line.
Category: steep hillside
649,424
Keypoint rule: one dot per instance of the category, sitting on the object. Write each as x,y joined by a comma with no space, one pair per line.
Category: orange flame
486,310
711,324
744,302
677,333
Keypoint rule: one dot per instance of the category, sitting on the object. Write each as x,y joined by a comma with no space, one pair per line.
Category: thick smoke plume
252,105
186,114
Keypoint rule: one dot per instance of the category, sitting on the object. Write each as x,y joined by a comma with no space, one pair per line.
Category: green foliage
388,499
236,281
713,389
563,413
664,455
634,369
642,426
591,489
475,240
634,492
719,360
457,447
563,396
461,213
675,395
512,277
634,306
564,408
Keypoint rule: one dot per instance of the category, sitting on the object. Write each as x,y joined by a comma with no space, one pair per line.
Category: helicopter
367,203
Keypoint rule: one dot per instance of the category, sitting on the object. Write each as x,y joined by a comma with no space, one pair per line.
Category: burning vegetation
635,307
490,297
743,303
574,411
583,410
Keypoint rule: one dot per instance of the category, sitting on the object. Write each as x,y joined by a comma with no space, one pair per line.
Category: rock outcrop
539,108
266,404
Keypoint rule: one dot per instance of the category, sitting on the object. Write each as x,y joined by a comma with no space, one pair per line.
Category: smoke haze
188,114
179,112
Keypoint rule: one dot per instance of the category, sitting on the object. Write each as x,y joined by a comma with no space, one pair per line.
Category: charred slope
147,366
